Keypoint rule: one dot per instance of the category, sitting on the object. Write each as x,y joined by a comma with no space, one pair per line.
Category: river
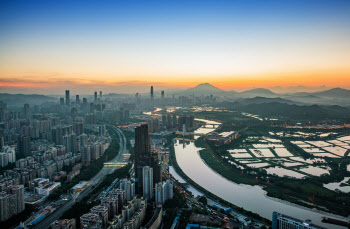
252,198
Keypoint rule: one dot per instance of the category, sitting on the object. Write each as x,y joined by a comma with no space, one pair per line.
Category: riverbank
209,194
275,187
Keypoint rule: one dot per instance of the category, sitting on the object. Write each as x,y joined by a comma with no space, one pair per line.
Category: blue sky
169,40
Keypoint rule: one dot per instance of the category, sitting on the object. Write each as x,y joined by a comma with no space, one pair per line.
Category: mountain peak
205,85
260,91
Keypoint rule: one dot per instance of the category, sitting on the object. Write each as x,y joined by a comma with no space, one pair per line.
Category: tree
203,200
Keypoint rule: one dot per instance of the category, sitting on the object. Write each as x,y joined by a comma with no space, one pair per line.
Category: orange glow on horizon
329,78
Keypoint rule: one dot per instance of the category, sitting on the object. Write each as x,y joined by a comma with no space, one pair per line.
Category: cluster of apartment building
120,208
11,201
170,122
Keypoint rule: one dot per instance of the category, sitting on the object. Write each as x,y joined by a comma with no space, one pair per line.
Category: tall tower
142,150
152,92
162,92
142,140
95,96
67,98
147,177
77,99
101,95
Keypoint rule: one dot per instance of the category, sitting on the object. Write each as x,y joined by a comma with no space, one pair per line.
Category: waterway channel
252,198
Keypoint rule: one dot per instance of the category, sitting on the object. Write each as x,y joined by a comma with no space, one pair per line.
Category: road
45,223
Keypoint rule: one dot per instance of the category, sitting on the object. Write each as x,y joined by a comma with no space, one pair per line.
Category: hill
260,100
21,99
262,92
206,89
312,112
334,93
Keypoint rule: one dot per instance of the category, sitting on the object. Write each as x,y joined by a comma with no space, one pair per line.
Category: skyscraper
129,187
67,98
101,95
152,92
163,191
159,193
61,101
162,93
26,110
142,140
95,96
147,178
142,151
23,145
77,99
11,202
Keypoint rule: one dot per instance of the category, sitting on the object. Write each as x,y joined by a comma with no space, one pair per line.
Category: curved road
46,223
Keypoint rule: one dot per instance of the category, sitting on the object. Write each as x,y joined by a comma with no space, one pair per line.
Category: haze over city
175,114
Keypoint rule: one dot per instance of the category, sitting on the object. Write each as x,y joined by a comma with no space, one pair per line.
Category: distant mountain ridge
258,92
334,92
20,99
206,89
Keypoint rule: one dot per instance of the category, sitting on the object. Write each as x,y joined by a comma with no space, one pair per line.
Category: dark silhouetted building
67,98
23,145
95,97
152,92
77,99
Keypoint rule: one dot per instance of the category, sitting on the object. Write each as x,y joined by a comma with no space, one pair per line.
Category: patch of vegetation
307,192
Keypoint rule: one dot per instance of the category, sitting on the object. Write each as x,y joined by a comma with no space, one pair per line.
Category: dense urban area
202,158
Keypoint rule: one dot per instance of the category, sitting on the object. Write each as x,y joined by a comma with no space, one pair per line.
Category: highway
46,222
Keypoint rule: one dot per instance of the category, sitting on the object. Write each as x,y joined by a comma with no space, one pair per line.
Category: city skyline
232,45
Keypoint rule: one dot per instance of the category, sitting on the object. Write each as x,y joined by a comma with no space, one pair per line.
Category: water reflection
252,198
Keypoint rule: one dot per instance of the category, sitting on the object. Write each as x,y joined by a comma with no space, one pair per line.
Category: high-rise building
95,97
102,211
26,110
187,120
142,140
67,98
61,101
7,155
129,187
101,95
142,150
152,93
77,100
4,160
23,145
11,202
90,220
83,140
280,221
162,94
79,127
86,155
159,193
147,177
163,191
102,130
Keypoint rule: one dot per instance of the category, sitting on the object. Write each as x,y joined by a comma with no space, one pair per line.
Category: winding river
252,198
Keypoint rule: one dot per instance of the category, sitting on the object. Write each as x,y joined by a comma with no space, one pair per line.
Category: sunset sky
46,46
